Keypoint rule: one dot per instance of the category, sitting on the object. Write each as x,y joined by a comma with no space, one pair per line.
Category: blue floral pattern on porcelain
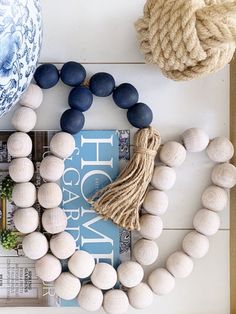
20,43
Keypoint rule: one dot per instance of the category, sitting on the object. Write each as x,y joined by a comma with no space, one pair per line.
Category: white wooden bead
51,168
21,170
62,145
161,281
220,149
35,245
24,194
172,154
195,140
24,119
179,264
195,244
62,245
26,220
151,226
32,97
115,302
156,202
104,276
67,286
54,220
19,144
214,198
90,298
163,178
206,222
141,296
224,175
145,251
81,264
49,195
48,268
130,274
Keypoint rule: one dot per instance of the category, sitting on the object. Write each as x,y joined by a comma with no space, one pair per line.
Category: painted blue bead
73,73
125,95
80,98
140,115
46,76
102,84
72,121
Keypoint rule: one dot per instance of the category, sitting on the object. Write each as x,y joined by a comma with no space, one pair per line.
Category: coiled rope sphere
188,38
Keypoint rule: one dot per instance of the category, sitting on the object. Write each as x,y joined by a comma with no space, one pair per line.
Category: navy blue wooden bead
102,84
140,115
125,96
46,76
73,73
80,98
72,121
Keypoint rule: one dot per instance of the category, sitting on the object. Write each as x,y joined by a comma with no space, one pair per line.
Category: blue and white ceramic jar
20,43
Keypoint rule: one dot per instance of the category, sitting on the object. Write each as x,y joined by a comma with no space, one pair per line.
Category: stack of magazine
96,161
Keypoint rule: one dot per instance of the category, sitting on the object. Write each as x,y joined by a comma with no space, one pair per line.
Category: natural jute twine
188,38
121,200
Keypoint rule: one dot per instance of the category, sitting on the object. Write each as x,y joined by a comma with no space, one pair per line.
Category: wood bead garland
67,286
32,97
214,198
54,220
48,268
49,195
206,222
156,202
163,178
224,175
35,245
172,154
90,298
51,168
130,274
24,194
81,264
115,302
62,145
62,245
220,149
195,140
151,226
195,244
24,119
21,170
26,220
179,264
161,281
140,296
145,252
104,276
19,144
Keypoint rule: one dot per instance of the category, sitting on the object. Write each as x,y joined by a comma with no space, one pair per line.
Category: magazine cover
96,162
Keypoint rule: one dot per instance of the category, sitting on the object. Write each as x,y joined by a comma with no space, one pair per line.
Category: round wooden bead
172,154
21,170
115,302
62,145
104,276
145,251
220,149
19,144
195,140
179,264
90,298
51,168
62,245
195,244
214,198
163,178
156,202
49,195
130,274
48,268
24,119
67,286
24,194
161,281
224,175
141,296
35,245
26,220
54,220
81,264
33,97
206,222
150,226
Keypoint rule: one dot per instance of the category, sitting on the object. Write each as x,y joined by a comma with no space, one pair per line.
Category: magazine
96,162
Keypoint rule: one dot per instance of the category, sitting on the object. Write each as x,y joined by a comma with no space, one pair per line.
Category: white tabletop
102,35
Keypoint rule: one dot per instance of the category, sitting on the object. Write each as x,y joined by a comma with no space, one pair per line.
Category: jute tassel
121,200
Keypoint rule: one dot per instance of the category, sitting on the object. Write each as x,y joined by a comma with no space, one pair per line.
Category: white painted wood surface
92,31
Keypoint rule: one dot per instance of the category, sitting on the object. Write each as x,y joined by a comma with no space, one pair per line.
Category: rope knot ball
188,38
